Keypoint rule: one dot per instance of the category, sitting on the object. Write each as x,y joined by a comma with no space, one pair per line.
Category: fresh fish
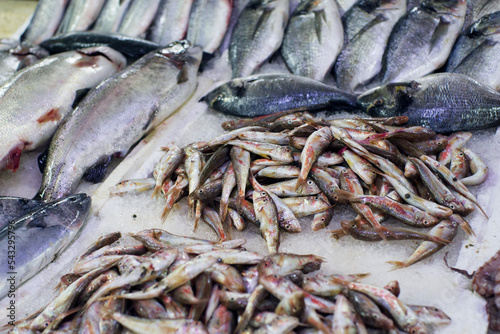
438,101
240,158
12,208
69,159
430,315
132,186
421,41
275,152
257,35
36,99
459,166
371,23
138,17
345,314
166,166
456,140
111,15
157,326
39,237
369,312
80,15
479,8
306,205
222,321
171,22
266,94
44,22
313,38
131,47
208,23
478,169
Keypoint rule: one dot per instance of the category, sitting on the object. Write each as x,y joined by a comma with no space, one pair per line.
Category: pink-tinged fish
478,169
241,164
228,183
459,166
154,326
268,151
456,140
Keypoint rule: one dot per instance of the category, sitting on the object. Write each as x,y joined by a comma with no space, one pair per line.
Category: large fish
444,102
80,15
117,114
313,38
171,22
421,41
12,208
44,22
138,17
265,94
476,51
479,8
111,15
257,35
14,56
369,24
36,99
208,23
34,240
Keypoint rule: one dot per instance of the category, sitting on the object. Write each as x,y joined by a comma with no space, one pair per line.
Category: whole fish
422,40
266,94
138,17
479,44
39,237
74,148
171,21
111,15
80,15
36,99
313,38
208,23
438,101
371,22
44,22
257,35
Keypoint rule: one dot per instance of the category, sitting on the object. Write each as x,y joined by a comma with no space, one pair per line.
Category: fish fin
183,75
50,116
262,20
378,19
42,160
97,172
38,222
397,264
152,115
439,35
79,95
205,58
319,18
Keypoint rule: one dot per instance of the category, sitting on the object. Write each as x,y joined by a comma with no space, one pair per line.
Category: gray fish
475,52
39,237
441,102
421,41
45,20
171,21
313,38
80,15
91,134
257,35
111,15
369,24
15,56
12,208
138,17
36,99
208,23
479,8
265,94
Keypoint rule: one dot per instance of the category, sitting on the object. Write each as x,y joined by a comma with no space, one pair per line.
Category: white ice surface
428,282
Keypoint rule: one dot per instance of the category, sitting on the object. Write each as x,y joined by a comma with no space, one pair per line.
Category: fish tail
301,182
397,264
484,213
337,233
155,191
165,212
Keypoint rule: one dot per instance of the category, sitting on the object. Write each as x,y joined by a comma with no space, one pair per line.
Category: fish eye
220,97
454,179
452,206
426,222
309,182
407,196
353,225
379,102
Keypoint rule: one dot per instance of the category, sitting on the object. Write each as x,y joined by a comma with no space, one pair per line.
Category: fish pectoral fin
319,18
79,95
378,19
183,75
37,222
97,172
439,35
262,20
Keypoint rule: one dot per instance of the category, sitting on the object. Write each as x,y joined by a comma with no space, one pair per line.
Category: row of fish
365,42
164,283
298,165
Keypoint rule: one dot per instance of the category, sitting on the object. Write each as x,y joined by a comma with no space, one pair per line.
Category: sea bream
39,237
36,99
117,114
443,102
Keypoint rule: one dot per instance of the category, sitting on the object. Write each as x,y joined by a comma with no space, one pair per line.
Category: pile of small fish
166,283
300,165
486,282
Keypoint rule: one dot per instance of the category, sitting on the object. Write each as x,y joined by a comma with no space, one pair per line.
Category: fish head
72,210
182,52
388,100
487,25
224,97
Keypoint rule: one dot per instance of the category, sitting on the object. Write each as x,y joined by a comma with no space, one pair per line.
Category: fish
438,101
44,22
421,41
45,231
111,15
80,15
37,98
208,23
313,38
265,94
257,34
478,168
69,158
138,17
154,326
171,22
14,207
371,23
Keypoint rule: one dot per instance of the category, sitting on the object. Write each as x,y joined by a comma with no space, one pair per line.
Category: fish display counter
431,281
